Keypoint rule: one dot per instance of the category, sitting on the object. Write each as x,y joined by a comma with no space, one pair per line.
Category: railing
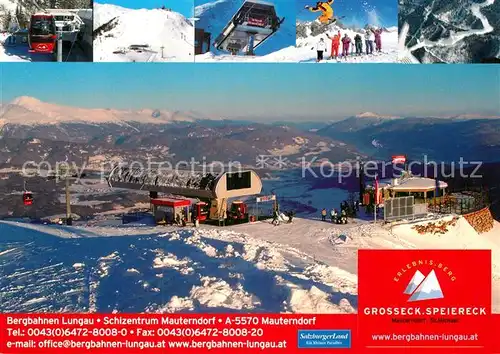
463,203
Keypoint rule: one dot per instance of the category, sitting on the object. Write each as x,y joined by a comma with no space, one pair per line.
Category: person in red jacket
335,45
346,45
378,39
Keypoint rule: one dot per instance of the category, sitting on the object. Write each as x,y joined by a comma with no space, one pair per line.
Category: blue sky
264,91
357,12
184,7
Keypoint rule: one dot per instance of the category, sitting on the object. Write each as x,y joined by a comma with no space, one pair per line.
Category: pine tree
7,19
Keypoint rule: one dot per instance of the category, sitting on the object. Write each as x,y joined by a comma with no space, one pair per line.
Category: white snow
305,267
13,55
167,35
218,268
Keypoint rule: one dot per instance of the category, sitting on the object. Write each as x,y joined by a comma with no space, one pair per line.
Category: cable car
254,23
27,198
42,33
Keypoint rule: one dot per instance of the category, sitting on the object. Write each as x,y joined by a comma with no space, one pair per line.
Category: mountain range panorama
185,134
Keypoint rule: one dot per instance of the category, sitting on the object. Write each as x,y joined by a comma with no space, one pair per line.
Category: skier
378,39
369,38
326,11
335,45
359,44
276,220
323,214
333,215
343,217
346,43
320,48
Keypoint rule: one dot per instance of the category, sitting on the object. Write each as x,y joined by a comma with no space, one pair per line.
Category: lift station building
215,189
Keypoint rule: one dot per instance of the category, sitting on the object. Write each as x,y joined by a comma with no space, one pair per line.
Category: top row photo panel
251,31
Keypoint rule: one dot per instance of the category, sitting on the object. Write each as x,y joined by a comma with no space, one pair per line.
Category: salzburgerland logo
425,288
324,339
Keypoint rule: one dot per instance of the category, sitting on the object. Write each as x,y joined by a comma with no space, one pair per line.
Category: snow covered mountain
31,111
475,137
309,33
214,16
451,31
143,35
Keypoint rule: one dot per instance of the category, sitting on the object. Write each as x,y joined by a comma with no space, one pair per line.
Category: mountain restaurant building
421,188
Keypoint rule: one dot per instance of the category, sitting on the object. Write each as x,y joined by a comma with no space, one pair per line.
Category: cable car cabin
27,198
42,34
238,211
168,211
202,211
254,23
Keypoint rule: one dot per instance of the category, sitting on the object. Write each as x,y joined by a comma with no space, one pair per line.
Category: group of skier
346,210
372,38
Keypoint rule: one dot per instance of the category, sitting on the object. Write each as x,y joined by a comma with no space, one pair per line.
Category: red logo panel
424,298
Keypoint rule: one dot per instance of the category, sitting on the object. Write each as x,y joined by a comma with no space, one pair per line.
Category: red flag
377,197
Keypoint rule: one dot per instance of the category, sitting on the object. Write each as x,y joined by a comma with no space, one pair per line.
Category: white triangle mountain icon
424,288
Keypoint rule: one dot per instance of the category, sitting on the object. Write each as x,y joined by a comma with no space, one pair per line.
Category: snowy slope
213,17
117,28
165,270
338,245
10,54
389,46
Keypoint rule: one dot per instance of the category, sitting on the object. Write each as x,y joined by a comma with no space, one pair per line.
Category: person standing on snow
378,39
333,215
326,11
346,44
276,218
335,45
359,44
369,37
320,48
323,214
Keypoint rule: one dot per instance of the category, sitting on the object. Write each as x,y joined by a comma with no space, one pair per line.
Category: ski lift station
213,190
254,23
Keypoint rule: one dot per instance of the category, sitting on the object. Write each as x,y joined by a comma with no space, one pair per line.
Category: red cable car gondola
42,33
28,198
